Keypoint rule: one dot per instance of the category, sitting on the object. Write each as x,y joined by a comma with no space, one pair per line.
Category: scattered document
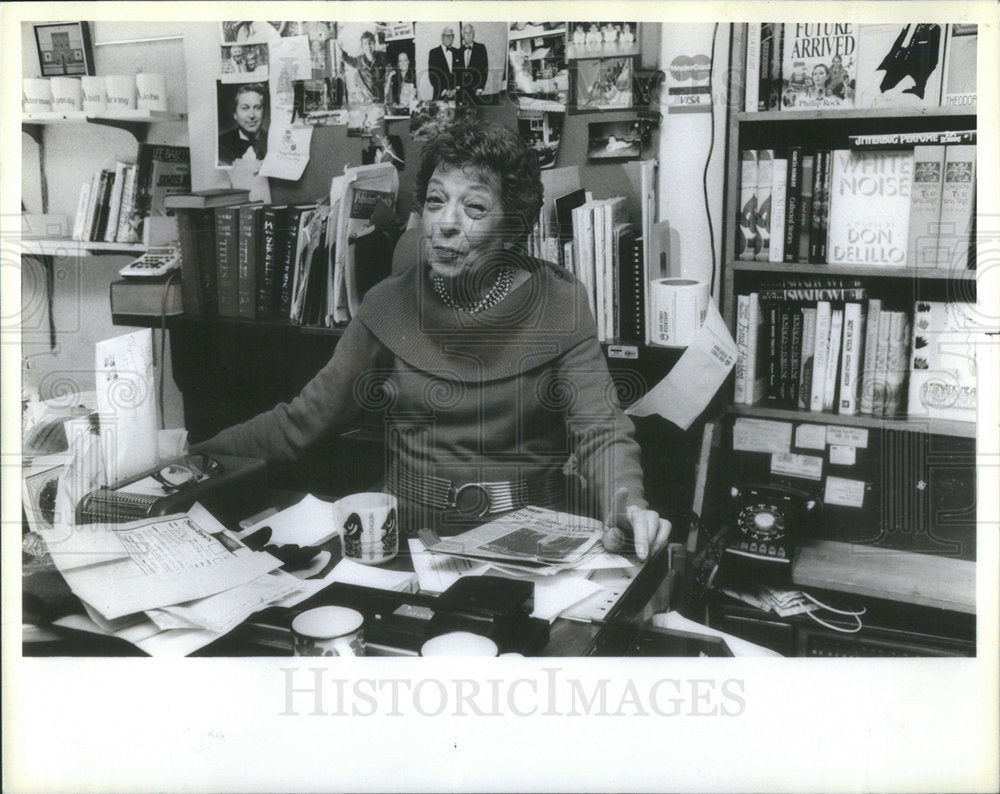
309,522
437,572
674,620
126,400
689,387
350,572
287,152
554,594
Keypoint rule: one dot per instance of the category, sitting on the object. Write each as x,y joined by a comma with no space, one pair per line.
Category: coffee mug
95,95
328,631
120,92
37,95
66,93
152,91
459,643
369,527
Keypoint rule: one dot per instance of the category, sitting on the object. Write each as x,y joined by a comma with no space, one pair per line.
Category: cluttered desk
161,574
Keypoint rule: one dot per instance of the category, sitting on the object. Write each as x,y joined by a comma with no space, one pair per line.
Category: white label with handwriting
844,492
842,456
761,435
847,436
810,436
808,466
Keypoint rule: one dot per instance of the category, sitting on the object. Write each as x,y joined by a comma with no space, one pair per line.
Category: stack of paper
170,585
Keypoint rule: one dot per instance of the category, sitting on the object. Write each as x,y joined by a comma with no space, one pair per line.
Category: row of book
309,264
606,244
113,206
797,66
834,349
891,207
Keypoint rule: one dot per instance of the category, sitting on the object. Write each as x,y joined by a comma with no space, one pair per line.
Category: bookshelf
918,473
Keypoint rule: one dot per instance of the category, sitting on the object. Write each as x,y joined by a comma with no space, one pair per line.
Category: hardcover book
805,208
806,356
942,361
190,264
762,216
162,171
833,359
899,65
868,369
923,249
227,222
851,366
821,353
746,231
246,277
756,378
793,196
958,203
819,65
779,209
869,207
742,348
958,87
896,364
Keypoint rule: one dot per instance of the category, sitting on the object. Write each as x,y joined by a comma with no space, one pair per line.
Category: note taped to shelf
287,152
810,436
808,466
847,436
761,435
841,455
844,492
689,387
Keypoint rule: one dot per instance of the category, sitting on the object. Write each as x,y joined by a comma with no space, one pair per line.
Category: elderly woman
483,360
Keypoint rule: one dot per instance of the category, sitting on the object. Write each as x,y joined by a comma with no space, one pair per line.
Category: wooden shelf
868,271
942,427
68,248
135,122
826,114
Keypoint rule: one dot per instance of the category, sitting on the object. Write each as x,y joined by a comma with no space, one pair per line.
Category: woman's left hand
649,531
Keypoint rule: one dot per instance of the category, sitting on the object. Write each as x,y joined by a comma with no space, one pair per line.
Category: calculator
155,262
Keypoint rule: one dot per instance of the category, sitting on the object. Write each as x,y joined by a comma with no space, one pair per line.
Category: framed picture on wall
64,48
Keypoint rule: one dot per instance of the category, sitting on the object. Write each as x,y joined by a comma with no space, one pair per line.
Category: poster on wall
243,118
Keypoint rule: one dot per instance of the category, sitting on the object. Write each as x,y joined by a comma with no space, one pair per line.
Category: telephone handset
769,519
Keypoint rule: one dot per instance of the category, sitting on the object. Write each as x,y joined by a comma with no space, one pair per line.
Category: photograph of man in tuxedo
471,68
441,66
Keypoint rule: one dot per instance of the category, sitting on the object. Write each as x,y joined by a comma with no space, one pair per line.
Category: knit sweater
510,393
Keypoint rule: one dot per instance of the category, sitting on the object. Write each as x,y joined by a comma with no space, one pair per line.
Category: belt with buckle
474,498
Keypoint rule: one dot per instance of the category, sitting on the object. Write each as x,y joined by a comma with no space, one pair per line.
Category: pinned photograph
241,62
320,34
242,117
536,71
434,45
604,84
542,130
245,32
361,56
401,81
478,54
614,140
602,39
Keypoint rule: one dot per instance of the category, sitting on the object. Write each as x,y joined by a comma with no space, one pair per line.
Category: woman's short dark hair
495,150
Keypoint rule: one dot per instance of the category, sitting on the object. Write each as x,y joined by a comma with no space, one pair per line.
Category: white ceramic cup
152,91
95,95
37,96
66,93
369,527
120,92
459,643
328,631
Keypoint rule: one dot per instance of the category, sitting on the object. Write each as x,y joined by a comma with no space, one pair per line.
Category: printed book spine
273,239
80,218
833,359
793,197
958,86
125,232
784,354
752,71
747,228
772,326
246,275
190,265
227,244
204,232
742,348
762,215
114,207
764,65
850,366
817,238
756,353
795,359
881,363
821,352
805,208
868,369
806,357
896,364
778,209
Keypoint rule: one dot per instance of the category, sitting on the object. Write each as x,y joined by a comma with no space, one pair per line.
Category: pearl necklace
496,294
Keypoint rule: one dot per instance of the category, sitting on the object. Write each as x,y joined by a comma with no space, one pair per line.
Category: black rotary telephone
768,521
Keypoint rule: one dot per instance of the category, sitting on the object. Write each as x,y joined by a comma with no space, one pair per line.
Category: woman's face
462,219
403,63
249,113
